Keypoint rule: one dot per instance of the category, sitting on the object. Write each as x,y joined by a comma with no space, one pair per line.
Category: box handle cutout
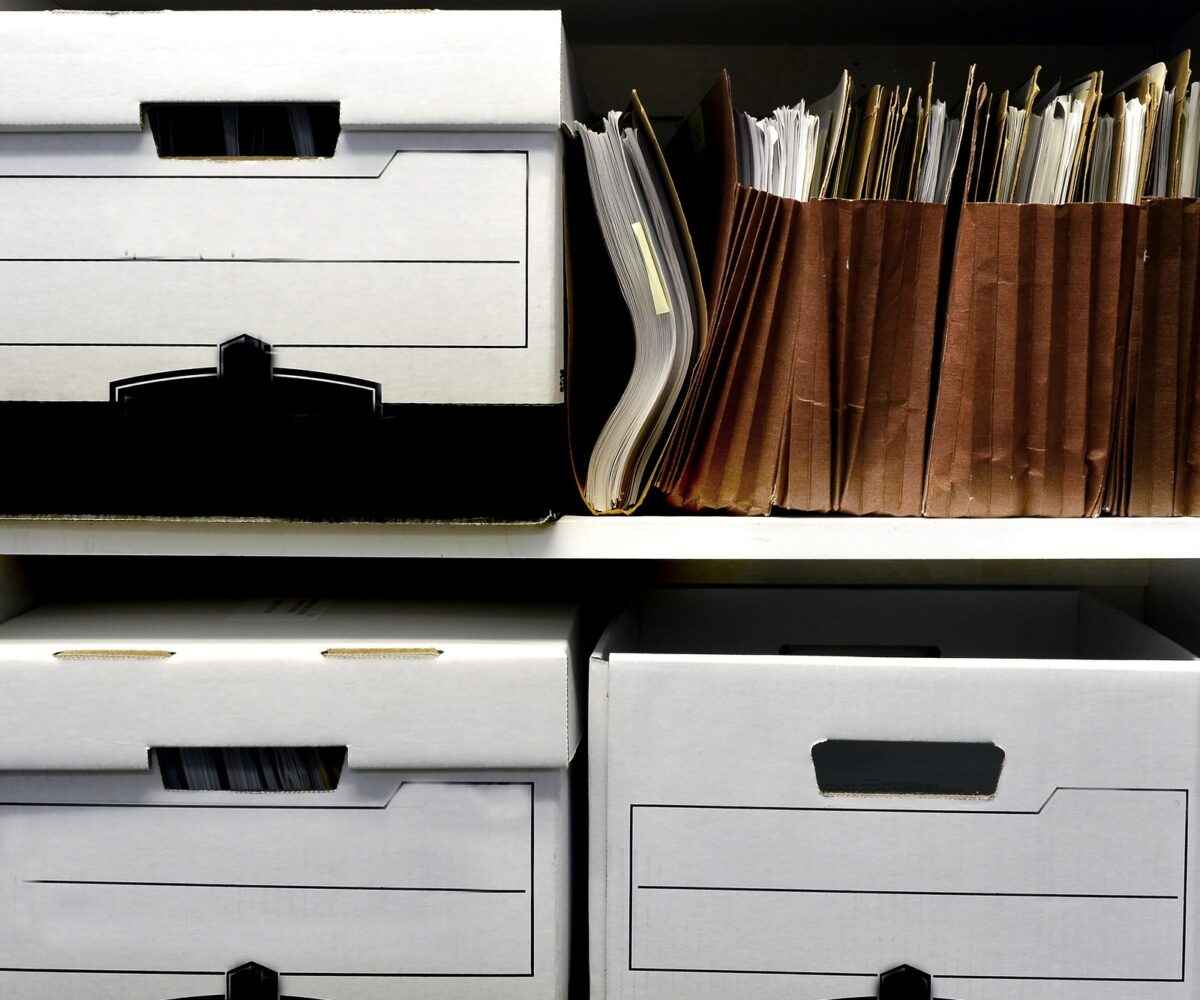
905,982
114,654
244,130
858,649
907,767
250,769
382,653
252,982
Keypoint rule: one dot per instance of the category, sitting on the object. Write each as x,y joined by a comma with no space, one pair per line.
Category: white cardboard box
423,257
719,867
438,868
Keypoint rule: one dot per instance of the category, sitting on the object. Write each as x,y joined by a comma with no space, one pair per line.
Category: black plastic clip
905,983
251,982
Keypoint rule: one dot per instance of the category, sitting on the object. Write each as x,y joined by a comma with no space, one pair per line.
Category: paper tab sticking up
662,305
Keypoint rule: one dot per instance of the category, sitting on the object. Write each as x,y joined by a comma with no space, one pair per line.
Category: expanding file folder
1065,381
1031,365
811,393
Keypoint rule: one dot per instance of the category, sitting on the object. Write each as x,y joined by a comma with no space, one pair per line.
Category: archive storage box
286,263
432,862
795,791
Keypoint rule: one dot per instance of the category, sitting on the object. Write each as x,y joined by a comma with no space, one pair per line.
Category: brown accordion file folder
812,391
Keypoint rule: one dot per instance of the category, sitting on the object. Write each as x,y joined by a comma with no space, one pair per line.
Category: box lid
412,69
400,685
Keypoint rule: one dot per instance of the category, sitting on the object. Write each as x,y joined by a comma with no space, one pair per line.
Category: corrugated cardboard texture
1158,455
1031,367
815,385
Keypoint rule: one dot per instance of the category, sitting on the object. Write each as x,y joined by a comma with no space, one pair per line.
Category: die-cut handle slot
244,130
907,767
250,769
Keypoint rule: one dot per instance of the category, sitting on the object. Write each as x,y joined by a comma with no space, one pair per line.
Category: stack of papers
886,145
1189,177
797,151
1073,144
645,244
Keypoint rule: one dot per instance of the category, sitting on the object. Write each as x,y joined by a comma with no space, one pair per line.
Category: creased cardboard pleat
897,256
712,469
1110,340
1158,456
817,374
753,421
810,311
1187,487
1035,338
955,422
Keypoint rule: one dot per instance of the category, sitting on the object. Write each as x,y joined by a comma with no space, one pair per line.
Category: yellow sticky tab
658,292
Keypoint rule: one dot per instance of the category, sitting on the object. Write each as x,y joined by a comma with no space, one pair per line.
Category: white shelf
666,538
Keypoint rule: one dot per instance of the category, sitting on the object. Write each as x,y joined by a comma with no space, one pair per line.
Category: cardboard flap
403,686
703,160
388,69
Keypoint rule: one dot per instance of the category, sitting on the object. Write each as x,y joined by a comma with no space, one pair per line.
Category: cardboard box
402,283
994,787
439,866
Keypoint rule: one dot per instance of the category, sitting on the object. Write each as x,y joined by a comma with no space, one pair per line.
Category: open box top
916,624
389,70
401,686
